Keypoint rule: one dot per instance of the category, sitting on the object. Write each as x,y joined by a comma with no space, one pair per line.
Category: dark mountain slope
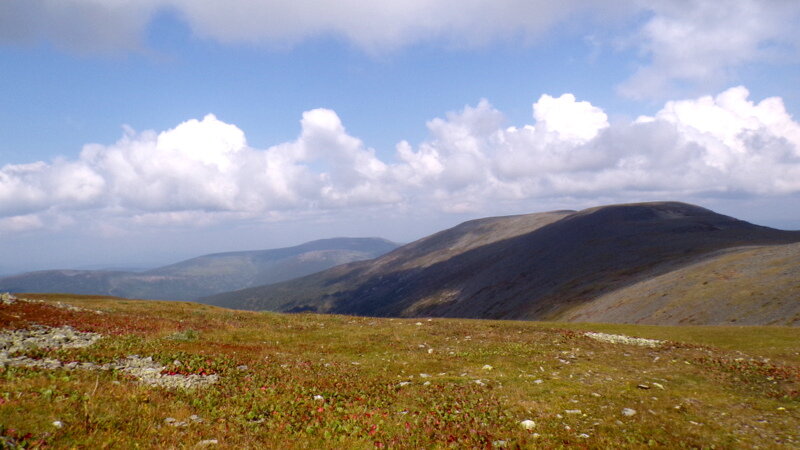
569,259
406,260
204,275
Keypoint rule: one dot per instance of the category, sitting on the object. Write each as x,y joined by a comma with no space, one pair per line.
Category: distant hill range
658,263
204,275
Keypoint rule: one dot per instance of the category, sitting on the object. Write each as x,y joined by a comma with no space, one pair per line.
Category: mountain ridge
536,272
205,274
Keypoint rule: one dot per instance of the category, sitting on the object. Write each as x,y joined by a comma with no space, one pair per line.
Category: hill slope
204,275
325,381
537,266
743,286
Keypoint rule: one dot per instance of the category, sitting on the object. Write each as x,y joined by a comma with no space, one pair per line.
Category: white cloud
21,223
202,171
678,41
705,41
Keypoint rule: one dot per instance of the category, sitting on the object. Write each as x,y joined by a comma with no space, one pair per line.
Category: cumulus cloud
203,171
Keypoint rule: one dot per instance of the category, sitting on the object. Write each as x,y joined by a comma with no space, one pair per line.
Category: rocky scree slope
538,266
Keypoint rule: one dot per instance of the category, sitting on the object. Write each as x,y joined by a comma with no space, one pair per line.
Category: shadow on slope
571,260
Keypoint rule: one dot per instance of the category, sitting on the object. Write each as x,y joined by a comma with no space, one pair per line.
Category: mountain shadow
537,266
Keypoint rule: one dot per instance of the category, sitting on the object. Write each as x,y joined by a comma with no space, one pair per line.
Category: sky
139,133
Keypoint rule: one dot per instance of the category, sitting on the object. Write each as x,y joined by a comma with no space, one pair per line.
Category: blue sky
395,119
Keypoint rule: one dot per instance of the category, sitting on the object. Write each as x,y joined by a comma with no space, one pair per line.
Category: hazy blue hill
204,275
537,266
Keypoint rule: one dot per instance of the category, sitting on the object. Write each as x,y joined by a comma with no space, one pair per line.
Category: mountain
539,266
742,286
204,275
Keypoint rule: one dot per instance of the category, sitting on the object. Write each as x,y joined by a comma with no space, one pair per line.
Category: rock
147,371
487,367
573,411
658,385
622,339
643,386
528,424
207,442
58,424
319,398
628,412
242,367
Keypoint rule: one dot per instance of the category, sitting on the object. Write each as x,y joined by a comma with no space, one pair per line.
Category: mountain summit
544,266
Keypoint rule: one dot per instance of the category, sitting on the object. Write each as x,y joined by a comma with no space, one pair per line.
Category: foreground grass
314,381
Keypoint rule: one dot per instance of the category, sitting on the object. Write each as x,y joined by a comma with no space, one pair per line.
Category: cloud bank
677,41
203,171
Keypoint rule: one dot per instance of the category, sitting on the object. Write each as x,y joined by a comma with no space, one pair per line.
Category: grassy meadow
325,381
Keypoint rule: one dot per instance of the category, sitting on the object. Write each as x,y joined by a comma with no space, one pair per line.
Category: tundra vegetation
322,381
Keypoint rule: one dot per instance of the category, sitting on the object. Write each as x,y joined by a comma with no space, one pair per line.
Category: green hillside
210,377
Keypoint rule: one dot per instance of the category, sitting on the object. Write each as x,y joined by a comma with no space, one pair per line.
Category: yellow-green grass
708,387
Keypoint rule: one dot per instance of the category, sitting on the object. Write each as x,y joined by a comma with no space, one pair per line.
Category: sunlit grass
354,382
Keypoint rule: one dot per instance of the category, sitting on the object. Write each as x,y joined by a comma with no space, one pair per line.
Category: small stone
419,324
242,367
643,386
430,350
572,411
427,383
487,367
538,381
207,442
658,385
595,394
319,398
628,412
583,435
195,418
58,423
499,444
404,383
528,424
424,375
